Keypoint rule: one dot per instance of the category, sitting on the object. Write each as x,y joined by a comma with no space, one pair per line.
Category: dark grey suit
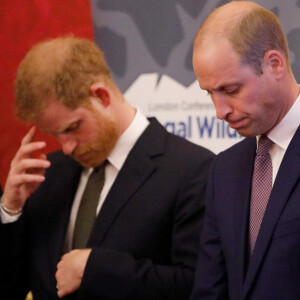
223,270
145,237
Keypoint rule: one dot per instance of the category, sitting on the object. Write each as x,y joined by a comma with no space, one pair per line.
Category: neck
124,113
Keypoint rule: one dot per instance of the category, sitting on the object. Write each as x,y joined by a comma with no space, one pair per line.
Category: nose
67,143
221,105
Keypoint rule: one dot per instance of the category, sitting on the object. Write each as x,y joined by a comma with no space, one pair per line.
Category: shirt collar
127,140
283,133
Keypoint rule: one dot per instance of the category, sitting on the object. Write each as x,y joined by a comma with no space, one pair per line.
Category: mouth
81,157
236,124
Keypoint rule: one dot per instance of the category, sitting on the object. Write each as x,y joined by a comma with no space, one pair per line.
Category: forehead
56,117
216,63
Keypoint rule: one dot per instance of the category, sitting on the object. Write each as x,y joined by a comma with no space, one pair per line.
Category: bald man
250,246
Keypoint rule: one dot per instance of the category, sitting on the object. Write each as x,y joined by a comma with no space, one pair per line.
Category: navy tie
261,188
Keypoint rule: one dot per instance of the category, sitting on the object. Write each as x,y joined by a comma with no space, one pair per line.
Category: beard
107,135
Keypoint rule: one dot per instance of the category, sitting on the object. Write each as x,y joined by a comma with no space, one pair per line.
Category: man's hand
70,271
26,173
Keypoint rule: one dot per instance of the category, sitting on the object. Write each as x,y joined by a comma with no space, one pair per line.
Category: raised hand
26,173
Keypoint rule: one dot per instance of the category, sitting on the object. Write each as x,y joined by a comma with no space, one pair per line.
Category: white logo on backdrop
184,111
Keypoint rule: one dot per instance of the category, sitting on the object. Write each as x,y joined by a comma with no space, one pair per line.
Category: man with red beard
142,237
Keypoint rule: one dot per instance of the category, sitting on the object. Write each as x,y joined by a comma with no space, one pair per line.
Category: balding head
250,29
220,23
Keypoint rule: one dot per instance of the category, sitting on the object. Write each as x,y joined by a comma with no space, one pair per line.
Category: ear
99,91
277,61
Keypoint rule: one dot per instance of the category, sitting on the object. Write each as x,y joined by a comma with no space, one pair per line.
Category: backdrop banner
149,44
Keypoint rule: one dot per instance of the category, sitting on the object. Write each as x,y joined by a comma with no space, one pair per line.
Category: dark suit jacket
144,241
223,271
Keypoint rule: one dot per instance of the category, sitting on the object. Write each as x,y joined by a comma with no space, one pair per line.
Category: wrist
10,211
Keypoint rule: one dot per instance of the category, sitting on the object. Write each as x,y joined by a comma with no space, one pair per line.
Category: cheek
88,131
253,102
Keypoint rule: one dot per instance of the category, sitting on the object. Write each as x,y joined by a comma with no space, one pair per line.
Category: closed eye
232,92
231,89
72,127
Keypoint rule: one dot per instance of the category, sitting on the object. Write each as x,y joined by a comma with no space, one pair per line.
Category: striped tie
261,188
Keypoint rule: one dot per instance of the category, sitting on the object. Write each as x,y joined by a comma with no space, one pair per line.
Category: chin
93,163
246,133
85,164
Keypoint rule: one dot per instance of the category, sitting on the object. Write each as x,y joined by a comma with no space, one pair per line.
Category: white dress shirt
115,160
282,135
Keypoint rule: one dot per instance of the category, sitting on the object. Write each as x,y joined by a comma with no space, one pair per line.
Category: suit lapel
62,196
241,206
239,174
286,179
137,168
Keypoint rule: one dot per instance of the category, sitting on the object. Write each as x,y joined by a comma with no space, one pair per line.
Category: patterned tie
87,210
261,188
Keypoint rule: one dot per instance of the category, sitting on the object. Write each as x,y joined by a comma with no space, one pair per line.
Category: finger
59,285
31,163
58,266
65,289
25,178
57,276
66,255
27,149
61,293
28,138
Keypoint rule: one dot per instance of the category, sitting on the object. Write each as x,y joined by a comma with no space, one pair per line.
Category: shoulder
172,152
186,151
245,146
235,160
173,144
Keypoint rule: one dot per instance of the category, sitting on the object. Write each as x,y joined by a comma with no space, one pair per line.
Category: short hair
252,31
63,69
259,31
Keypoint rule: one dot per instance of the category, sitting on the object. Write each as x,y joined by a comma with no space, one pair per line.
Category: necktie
87,209
261,188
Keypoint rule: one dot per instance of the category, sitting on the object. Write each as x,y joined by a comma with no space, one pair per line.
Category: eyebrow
61,130
225,85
